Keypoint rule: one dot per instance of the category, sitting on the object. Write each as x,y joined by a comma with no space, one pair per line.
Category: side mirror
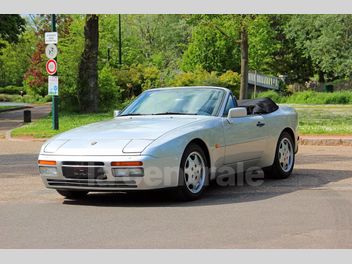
116,113
237,112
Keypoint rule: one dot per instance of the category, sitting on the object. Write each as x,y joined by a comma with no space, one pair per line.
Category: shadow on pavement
301,179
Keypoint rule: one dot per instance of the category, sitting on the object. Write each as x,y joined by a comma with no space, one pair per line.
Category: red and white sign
51,66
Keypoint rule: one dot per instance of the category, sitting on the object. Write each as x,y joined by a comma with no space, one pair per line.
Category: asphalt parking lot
312,209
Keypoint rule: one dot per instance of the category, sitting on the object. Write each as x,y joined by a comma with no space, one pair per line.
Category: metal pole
55,98
120,42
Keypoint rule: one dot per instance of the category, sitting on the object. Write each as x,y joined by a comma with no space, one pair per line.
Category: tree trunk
321,77
244,63
88,92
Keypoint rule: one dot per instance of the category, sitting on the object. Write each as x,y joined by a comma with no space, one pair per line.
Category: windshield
186,101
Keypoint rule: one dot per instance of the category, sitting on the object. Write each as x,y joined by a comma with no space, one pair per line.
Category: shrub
34,87
200,77
339,98
137,78
151,78
109,91
272,95
5,98
34,99
24,99
197,78
231,80
310,97
11,89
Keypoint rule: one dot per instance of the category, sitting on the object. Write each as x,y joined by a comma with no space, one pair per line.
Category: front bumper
158,173
297,144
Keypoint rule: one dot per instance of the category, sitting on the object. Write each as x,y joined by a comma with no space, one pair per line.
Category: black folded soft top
258,106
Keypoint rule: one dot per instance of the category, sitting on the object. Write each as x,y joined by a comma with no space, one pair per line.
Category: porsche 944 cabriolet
178,138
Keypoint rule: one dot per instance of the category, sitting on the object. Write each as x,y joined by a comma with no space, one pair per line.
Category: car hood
119,136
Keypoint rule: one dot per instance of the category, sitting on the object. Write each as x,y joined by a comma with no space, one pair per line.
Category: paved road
12,119
312,209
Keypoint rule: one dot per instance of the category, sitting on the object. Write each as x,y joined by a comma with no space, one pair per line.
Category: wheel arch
204,147
291,133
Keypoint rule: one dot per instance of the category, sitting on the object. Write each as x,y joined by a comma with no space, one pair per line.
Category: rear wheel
284,158
194,173
74,195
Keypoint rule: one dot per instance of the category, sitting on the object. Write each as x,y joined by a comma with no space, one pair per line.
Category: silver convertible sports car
178,138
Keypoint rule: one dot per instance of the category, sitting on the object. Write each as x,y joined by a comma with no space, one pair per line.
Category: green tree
158,40
212,49
11,55
287,59
326,40
70,47
231,42
262,44
11,27
15,59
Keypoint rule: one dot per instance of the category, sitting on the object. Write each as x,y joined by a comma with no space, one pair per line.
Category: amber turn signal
46,162
127,163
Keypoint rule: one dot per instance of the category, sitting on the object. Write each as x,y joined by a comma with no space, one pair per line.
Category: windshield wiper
132,114
174,113
162,113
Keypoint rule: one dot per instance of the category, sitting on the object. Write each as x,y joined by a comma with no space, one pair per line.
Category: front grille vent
92,183
82,163
83,170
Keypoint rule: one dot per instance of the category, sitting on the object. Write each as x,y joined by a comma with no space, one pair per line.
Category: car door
244,138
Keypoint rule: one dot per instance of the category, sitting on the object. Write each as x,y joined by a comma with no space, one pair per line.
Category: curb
326,141
22,139
312,141
14,109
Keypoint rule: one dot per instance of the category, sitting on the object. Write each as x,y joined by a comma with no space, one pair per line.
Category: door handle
260,124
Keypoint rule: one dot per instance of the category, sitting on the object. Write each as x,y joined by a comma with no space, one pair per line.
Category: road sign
51,51
51,37
51,66
53,85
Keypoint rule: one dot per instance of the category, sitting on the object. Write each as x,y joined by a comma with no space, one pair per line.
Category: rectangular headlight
128,172
47,171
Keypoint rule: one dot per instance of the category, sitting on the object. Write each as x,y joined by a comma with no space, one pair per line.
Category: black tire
183,193
276,171
74,195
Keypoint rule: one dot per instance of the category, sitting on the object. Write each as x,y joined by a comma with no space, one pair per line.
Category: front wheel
194,173
74,195
284,158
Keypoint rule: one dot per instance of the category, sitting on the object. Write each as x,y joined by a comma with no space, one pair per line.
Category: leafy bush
36,85
231,80
339,98
200,77
197,78
272,95
310,97
11,89
5,98
24,99
34,99
137,78
109,91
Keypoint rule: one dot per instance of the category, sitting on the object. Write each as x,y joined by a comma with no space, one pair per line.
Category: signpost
53,85
51,66
51,39
51,51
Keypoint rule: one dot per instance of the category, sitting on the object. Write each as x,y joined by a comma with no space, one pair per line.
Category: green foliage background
178,50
